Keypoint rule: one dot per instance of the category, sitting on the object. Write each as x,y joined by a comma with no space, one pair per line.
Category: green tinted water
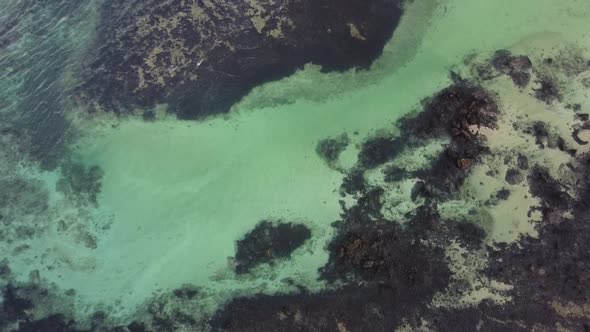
181,193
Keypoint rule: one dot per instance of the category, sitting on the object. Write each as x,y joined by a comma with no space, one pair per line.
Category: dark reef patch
267,242
577,129
81,183
23,205
548,90
385,272
515,66
503,194
513,176
378,253
53,323
378,150
353,183
390,276
550,273
330,149
554,198
394,174
202,57
390,271
454,113
546,138
522,162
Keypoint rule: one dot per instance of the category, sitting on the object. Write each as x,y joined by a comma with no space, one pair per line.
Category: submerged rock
330,149
513,176
202,57
522,162
267,242
82,184
378,150
390,276
53,323
548,90
515,66
453,112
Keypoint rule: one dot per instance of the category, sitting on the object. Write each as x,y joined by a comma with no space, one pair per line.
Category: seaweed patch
330,149
202,57
267,242
517,67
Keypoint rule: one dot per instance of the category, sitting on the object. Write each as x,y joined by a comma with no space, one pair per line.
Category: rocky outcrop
202,56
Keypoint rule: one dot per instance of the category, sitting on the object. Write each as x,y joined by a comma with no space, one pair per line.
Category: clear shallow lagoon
177,195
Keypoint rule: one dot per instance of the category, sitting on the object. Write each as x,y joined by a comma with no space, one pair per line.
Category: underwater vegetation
465,207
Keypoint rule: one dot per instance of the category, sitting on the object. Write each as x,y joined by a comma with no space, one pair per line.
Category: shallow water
177,195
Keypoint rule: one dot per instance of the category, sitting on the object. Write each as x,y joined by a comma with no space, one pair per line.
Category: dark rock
503,194
539,130
394,174
522,162
517,67
452,112
330,149
576,132
267,242
553,198
367,208
506,63
392,277
137,327
5,271
470,234
53,323
81,183
354,183
375,253
187,292
149,115
513,176
448,172
574,107
14,307
379,150
420,189
548,92
202,57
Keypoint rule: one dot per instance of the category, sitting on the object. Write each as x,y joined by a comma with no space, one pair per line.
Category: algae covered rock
269,241
203,56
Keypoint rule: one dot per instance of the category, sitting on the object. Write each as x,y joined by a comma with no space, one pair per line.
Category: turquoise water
176,195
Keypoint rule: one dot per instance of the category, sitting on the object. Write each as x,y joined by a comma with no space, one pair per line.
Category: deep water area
278,165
